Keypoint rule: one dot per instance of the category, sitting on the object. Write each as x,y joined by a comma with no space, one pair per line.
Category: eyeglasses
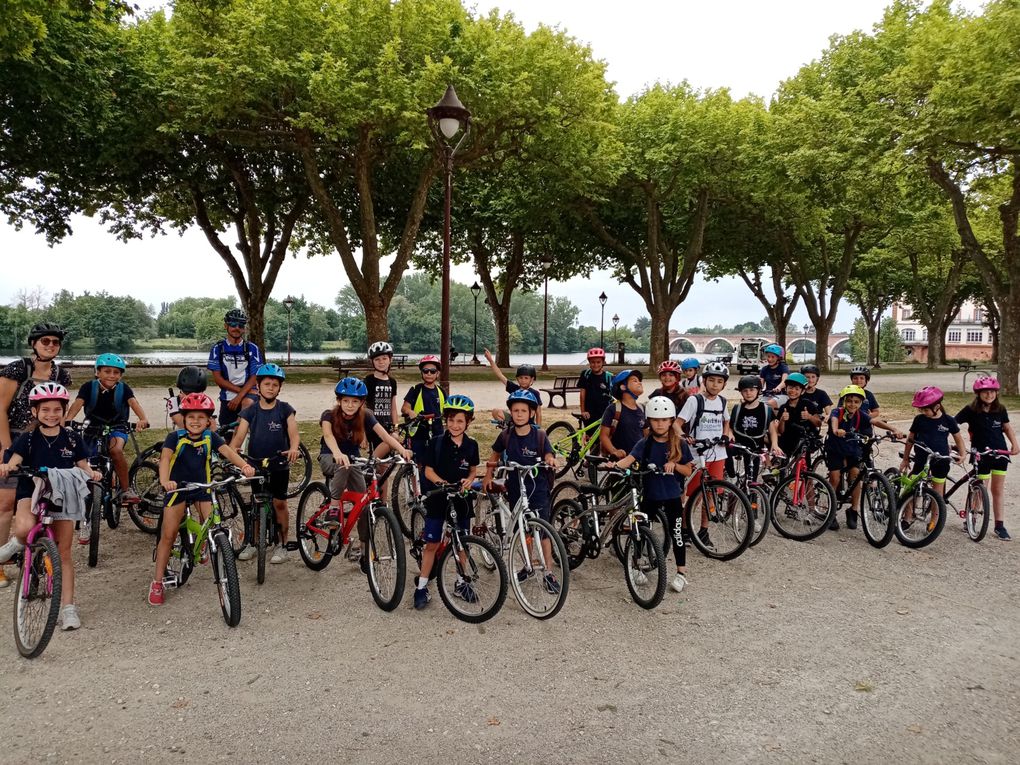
430,371
50,341
236,324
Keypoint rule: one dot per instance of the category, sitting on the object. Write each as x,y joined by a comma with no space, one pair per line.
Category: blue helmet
620,379
774,349
353,387
459,403
690,364
522,395
270,370
110,360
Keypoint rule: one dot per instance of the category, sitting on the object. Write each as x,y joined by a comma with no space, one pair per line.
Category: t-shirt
19,413
985,428
858,423
773,376
430,405
235,362
451,462
869,404
380,398
934,432
819,396
750,425
347,445
267,429
512,387
60,451
104,412
628,429
677,396
596,390
193,459
526,450
660,487
795,429
713,418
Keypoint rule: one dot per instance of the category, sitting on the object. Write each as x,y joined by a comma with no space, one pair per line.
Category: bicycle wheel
878,509
761,510
920,518
469,590
300,472
563,442
234,517
259,532
37,602
405,495
181,562
977,511
312,530
95,516
730,523
530,569
569,519
387,563
112,510
147,513
225,575
645,567
564,490
485,511
802,507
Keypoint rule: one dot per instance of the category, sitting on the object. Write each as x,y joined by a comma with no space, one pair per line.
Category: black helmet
527,370
46,329
191,380
810,369
860,369
235,316
749,381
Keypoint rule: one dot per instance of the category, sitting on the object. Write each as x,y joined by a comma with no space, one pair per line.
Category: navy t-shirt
934,432
526,451
347,445
104,411
430,405
819,396
629,429
596,390
854,423
661,487
192,462
750,425
773,376
451,462
60,451
267,429
986,428
795,429
678,396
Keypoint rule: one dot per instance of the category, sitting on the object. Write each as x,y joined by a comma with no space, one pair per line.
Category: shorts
992,465
373,439
188,496
840,461
10,483
716,469
278,484
229,417
435,516
937,469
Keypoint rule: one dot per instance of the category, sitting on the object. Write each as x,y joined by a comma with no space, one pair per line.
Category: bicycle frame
43,527
970,476
522,509
359,500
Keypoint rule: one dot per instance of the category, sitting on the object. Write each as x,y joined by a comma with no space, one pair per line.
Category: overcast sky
748,46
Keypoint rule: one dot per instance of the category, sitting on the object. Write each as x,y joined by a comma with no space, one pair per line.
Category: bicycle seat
579,417
591,488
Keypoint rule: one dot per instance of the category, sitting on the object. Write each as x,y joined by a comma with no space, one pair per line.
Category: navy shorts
435,517
181,496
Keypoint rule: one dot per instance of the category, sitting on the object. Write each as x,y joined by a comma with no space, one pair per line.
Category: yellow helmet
853,390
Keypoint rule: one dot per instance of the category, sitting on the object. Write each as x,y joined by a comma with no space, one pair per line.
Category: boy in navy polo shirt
623,423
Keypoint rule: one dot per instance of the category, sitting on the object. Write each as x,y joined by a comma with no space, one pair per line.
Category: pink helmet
929,395
669,366
596,353
197,402
430,359
985,383
48,391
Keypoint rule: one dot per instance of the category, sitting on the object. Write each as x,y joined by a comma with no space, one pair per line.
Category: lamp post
547,261
475,289
602,327
446,119
806,328
616,321
289,305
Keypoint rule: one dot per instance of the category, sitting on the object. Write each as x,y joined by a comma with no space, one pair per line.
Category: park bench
344,367
966,366
560,388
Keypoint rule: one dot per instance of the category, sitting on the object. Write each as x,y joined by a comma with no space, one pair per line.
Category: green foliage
111,322
15,323
890,345
178,318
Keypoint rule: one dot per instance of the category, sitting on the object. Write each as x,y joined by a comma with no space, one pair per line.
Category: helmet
48,391
620,379
527,370
459,403
235,316
774,348
197,402
853,390
270,370
430,359
797,379
522,395
929,395
749,381
810,369
110,360
375,350
669,366
716,368
191,379
860,369
690,364
986,383
660,408
353,387
46,329
596,353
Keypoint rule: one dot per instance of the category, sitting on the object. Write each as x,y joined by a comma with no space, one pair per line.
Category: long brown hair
674,448
995,407
348,430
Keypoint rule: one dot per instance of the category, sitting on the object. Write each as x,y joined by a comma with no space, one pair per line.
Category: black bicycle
878,497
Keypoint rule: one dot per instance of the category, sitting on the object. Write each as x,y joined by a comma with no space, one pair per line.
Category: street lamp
547,261
446,119
602,327
288,303
616,321
475,289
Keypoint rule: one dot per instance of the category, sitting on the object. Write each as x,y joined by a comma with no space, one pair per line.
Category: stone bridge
839,342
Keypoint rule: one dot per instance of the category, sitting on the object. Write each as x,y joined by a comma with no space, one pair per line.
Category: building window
906,312
975,336
953,336
979,315
924,334
908,335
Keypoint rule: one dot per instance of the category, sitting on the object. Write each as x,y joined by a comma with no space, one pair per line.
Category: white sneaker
679,582
10,549
69,617
638,577
247,553
279,555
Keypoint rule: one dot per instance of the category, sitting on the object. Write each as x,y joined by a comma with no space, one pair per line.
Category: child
812,392
190,379
842,451
595,382
526,377
749,422
664,448
796,420
692,381
343,431
704,414
272,425
987,424
669,377
773,376
47,444
931,429
382,393
187,458
860,376
525,444
425,398
623,423
453,458
106,400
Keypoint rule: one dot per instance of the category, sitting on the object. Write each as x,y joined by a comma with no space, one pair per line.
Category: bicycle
722,510
37,601
261,528
977,508
518,534
572,445
758,491
915,495
322,534
878,497
802,502
406,487
300,469
464,563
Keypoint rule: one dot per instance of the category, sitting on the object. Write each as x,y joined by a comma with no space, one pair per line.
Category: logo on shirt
528,452
275,426
465,465
66,453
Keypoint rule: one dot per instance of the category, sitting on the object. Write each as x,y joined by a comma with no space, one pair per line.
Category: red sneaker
156,594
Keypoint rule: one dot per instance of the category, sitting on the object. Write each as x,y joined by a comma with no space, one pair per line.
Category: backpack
692,427
733,420
221,346
119,405
29,382
543,439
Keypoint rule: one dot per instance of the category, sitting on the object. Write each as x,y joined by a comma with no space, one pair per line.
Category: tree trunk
501,318
499,302
780,329
376,326
1009,344
778,307
658,342
822,330
872,341
936,343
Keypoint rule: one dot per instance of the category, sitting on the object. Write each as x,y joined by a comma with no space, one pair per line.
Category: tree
880,278
889,347
113,323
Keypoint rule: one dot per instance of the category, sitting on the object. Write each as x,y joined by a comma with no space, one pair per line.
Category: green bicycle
921,511
571,445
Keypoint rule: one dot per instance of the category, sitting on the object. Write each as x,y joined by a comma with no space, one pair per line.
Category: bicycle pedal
292,546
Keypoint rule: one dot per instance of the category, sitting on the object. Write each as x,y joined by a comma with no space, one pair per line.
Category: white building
967,337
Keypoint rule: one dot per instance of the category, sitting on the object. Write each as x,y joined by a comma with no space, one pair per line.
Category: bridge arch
719,345
841,346
682,345
801,345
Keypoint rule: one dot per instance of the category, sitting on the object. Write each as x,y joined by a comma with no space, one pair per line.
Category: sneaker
69,617
129,497
279,555
156,594
1001,533
247,553
84,533
4,581
333,516
834,523
421,597
551,585
523,574
637,576
679,582
354,554
705,539
851,519
9,550
465,592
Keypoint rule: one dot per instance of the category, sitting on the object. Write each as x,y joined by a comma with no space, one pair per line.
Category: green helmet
797,379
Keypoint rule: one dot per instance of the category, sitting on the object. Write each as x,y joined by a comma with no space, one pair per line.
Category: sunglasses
430,371
50,341
236,324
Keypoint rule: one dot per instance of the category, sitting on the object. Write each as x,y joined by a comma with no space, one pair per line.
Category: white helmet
379,349
660,408
716,368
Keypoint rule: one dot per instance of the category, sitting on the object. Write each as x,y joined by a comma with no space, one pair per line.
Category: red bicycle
803,502
322,534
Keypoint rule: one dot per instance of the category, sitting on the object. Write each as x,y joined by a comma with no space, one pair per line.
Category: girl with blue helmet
773,376
690,377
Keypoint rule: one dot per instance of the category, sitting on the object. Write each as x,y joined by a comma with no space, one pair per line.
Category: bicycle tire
878,509
643,555
234,517
40,563
405,497
315,549
386,553
562,438
656,516
977,511
486,527
95,524
761,509
733,523
113,508
564,490
802,520
147,513
181,561
300,472
228,587
446,578
568,520
516,563
932,503
259,534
